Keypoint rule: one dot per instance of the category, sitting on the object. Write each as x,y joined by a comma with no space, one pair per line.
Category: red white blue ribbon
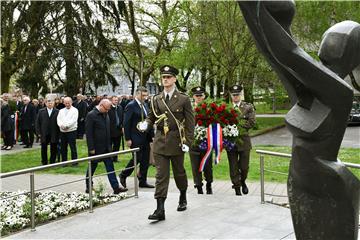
214,141
16,126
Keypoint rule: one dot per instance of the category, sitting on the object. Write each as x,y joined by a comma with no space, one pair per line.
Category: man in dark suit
135,112
27,122
48,130
239,157
116,123
82,107
97,128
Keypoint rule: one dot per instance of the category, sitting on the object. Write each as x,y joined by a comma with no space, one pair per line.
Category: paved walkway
207,217
275,192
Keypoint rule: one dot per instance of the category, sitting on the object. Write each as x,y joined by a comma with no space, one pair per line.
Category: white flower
230,131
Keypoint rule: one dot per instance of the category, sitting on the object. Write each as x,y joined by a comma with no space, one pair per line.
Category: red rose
197,109
213,105
208,122
212,119
219,109
200,116
203,105
208,111
199,123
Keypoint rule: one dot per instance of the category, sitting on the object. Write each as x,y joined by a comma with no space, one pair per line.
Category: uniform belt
162,130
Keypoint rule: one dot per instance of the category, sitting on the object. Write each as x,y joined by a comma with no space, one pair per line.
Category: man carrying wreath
239,156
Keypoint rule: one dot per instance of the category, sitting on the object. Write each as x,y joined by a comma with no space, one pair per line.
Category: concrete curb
267,130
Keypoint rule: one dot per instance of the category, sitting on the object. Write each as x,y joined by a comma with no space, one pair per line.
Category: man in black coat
98,138
135,112
48,130
27,122
116,123
82,107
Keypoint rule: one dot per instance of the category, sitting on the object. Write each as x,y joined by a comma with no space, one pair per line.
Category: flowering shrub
15,211
230,120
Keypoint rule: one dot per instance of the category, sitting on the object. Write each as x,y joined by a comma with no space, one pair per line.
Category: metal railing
283,155
54,165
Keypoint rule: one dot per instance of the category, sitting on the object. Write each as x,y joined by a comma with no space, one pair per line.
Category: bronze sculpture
323,193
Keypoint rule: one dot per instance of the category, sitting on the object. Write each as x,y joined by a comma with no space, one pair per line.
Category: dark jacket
97,130
7,122
46,125
27,119
82,107
132,117
116,131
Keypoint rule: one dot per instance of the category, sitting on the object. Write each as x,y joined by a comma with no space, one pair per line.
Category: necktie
143,109
117,117
167,99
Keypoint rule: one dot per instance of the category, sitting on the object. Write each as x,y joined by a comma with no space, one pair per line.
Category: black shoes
244,188
159,213
208,188
199,189
237,191
119,190
122,180
27,146
145,185
182,201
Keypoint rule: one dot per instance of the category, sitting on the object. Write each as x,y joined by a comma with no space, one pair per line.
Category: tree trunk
5,80
71,86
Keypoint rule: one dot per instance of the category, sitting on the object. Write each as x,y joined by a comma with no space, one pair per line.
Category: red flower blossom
199,123
197,109
208,122
203,105
200,116
213,105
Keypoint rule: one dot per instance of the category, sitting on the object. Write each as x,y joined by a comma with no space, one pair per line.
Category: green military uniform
196,155
239,156
167,146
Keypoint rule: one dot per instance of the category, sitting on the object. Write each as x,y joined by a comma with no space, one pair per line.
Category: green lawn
263,108
265,124
32,158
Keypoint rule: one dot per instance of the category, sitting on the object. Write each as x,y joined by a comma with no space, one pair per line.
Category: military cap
197,90
235,89
168,70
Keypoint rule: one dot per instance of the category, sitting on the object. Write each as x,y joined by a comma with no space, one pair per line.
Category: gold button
175,96
165,111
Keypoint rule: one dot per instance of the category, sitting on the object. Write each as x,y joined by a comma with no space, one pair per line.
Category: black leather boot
237,191
208,188
159,213
182,201
244,188
199,189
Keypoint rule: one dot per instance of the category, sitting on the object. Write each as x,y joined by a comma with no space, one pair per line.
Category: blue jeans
109,165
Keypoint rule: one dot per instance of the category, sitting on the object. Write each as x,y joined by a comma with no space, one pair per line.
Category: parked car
354,117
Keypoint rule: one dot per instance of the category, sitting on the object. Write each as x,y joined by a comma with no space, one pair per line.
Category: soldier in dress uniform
240,155
172,113
196,155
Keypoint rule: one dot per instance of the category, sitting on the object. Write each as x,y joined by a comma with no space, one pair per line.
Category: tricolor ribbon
214,141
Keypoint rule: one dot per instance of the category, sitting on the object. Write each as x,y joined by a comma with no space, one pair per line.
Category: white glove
143,125
185,148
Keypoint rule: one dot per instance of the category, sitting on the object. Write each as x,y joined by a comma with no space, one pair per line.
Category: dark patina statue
323,193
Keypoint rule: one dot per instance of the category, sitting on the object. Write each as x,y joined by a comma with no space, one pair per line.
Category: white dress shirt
67,119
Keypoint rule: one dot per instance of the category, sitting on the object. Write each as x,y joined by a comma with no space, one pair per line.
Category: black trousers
115,145
238,166
68,138
53,150
9,138
142,158
81,129
109,166
27,137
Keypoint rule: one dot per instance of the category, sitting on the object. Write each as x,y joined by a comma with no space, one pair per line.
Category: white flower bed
15,212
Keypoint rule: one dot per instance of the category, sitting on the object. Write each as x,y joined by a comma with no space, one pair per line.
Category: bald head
68,102
104,105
